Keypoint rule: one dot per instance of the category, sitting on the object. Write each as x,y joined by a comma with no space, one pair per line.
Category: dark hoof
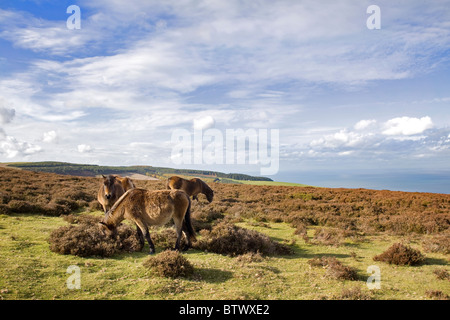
151,252
186,248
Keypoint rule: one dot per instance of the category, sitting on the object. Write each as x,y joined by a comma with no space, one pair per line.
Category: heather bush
165,238
437,295
226,238
335,268
250,257
354,294
170,264
87,239
329,237
437,243
442,274
401,254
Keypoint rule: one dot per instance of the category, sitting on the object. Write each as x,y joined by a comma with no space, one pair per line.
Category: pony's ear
103,176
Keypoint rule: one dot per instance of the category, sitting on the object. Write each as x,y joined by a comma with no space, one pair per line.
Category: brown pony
112,188
147,208
192,187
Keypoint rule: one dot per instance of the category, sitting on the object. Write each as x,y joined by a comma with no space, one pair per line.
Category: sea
435,182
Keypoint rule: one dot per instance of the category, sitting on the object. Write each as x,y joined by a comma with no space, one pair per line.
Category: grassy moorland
351,226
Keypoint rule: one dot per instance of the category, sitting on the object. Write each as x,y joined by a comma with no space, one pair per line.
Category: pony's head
209,193
109,184
107,228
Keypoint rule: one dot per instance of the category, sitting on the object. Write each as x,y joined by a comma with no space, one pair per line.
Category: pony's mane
110,214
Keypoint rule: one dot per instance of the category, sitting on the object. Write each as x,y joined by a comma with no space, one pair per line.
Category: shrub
86,239
327,237
401,254
442,274
170,264
438,243
354,294
250,257
229,239
166,238
204,219
335,268
437,294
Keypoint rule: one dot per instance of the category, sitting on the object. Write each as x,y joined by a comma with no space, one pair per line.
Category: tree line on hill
94,170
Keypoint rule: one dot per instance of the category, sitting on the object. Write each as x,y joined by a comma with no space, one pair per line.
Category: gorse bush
401,254
169,264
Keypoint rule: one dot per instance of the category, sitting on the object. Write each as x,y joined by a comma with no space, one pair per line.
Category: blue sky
344,98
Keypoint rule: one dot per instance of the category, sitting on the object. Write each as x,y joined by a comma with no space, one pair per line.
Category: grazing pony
192,187
148,208
112,188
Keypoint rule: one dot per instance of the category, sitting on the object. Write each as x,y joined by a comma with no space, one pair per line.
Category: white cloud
11,147
204,123
49,136
407,126
6,115
402,135
84,148
364,124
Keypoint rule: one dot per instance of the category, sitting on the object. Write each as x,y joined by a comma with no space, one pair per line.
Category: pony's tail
187,223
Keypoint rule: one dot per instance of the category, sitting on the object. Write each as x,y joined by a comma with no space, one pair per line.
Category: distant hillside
94,170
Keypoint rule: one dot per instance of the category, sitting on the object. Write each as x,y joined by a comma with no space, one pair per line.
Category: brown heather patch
229,239
401,254
438,243
170,264
354,211
335,268
86,239
437,295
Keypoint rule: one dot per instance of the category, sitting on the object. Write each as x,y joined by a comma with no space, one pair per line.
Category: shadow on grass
436,261
211,275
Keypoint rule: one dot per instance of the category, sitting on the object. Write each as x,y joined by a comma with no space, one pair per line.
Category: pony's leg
146,233
186,235
140,236
194,197
179,228
149,240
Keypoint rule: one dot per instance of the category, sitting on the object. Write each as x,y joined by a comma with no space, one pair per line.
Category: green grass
29,270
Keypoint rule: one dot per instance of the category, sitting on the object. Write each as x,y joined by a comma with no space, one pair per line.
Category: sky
334,101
